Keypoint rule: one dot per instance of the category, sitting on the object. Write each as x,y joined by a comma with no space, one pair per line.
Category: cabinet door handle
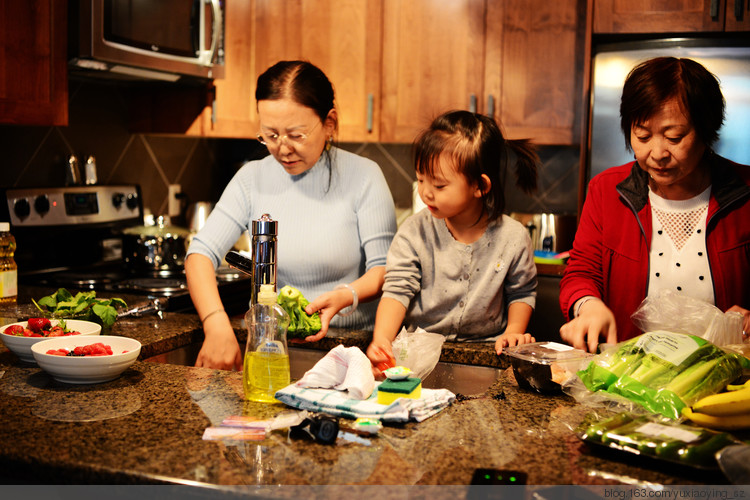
491,106
473,103
370,106
714,9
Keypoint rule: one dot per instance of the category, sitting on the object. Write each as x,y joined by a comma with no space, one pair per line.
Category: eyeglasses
294,138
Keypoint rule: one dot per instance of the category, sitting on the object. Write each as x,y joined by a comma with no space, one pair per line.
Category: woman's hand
220,348
745,319
328,305
509,339
594,320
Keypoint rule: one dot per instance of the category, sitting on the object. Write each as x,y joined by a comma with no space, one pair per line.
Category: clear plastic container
542,366
266,367
8,267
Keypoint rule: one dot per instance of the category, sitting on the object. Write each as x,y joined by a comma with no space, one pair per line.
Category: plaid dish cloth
339,403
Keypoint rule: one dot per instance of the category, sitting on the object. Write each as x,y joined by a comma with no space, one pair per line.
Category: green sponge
390,390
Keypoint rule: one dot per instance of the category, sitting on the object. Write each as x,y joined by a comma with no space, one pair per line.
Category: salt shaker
72,172
90,170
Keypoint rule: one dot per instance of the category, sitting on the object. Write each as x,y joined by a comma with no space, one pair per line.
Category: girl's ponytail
527,162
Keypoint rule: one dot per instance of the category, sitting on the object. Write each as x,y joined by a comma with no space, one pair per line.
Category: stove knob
41,204
132,201
22,208
117,199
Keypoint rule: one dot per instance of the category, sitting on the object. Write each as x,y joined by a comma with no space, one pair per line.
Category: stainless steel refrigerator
729,60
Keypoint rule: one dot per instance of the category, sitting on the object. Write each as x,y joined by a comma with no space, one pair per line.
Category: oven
71,237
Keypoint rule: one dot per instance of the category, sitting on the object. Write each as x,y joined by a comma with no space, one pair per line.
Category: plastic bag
419,351
661,371
674,312
661,440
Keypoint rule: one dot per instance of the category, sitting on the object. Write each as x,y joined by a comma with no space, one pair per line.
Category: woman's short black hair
654,82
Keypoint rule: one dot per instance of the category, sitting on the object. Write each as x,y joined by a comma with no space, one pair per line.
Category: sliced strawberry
56,331
16,330
39,324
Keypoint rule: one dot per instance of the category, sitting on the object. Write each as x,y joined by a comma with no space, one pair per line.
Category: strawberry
16,330
39,324
56,331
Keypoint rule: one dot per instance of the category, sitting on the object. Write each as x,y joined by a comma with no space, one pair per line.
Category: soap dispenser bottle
266,367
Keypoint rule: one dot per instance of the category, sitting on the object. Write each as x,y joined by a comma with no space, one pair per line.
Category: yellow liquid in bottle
8,269
264,374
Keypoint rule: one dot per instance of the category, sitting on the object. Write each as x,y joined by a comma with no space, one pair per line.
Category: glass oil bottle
8,267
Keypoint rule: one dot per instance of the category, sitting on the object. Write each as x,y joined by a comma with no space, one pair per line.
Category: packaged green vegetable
660,439
662,371
301,324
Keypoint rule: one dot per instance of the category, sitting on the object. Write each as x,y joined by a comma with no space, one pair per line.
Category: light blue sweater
327,235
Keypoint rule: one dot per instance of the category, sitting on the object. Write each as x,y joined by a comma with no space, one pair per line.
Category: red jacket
610,255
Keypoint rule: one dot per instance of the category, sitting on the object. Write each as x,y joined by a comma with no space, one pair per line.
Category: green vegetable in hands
301,324
84,305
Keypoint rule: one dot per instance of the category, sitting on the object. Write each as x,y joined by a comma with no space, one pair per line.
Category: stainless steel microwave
167,40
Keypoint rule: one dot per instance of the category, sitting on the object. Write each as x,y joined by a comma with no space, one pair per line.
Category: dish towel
343,368
342,384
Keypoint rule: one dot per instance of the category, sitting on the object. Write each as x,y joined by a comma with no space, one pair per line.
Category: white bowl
21,346
86,369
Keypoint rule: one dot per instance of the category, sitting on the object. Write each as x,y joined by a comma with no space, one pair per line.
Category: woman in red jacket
677,218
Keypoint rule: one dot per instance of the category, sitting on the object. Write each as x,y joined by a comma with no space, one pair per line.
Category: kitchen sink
456,377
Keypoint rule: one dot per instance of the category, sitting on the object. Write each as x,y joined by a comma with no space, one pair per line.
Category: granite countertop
146,427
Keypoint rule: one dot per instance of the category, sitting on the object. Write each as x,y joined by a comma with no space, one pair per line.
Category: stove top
112,277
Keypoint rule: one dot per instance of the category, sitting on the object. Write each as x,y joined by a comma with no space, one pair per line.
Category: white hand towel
344,369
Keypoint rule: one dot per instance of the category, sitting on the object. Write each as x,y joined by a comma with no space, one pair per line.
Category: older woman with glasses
335,214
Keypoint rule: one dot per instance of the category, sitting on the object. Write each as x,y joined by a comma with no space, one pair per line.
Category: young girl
460,267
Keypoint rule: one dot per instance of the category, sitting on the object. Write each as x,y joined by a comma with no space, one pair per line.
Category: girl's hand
509,339
381,357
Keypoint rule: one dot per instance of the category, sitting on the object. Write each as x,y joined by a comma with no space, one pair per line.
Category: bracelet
211,314
580,304
355,300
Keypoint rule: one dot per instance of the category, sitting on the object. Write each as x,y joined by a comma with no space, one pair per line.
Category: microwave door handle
216,31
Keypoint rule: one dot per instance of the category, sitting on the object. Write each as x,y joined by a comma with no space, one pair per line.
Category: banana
737,387
725,423
725,403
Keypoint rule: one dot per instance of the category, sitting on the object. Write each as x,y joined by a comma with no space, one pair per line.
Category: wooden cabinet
342,38
658,16
518,60
33,68
396,64
433,61
535,63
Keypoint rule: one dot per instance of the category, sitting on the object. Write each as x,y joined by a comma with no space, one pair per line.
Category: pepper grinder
263,254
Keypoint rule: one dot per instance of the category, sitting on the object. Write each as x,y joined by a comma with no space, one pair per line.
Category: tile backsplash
36,157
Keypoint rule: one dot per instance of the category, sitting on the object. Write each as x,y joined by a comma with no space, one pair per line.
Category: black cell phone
498,476
239,261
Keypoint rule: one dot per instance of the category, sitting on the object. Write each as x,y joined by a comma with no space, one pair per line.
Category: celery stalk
691,377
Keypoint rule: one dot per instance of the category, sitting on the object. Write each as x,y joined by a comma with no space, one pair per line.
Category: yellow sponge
390,390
